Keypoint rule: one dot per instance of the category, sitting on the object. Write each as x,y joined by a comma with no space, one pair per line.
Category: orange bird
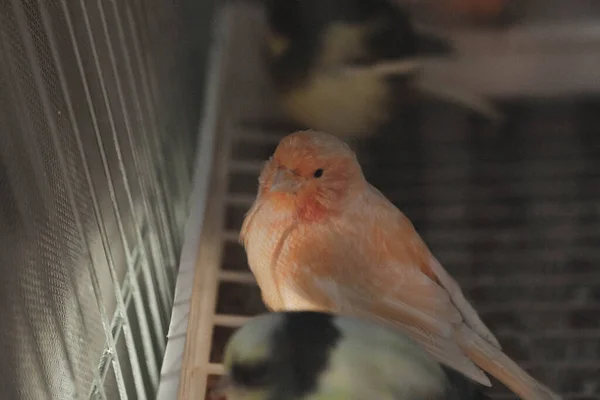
320,237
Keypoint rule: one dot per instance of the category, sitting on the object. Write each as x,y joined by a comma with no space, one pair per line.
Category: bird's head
306,34
311,174
279,355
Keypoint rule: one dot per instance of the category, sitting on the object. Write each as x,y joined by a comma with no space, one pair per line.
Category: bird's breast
265,246
271,244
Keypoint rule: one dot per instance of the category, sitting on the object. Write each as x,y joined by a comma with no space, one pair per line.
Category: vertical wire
130,344
153,306
150,91
64,87
151,143
126,292
36,161
154,310
153,124
4,50
144,327
97,387
163,282
58,64
177,36
70,193
16,96
183,120
101,371
21,19
168,235
101,391
165,291
33,148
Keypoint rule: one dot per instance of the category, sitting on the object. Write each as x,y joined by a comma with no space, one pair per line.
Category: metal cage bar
97,120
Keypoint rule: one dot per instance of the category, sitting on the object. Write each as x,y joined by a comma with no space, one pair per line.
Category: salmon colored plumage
320,237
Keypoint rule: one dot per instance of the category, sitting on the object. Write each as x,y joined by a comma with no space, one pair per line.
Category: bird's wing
374,264
467,311
339,275
427,319
404,244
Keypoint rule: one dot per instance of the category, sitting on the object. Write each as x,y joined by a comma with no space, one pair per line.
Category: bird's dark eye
318,173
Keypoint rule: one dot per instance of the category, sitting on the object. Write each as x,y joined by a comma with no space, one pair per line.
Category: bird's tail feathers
462,388
444,349
498,364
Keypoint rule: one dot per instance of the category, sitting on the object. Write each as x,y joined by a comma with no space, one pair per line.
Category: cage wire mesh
98,114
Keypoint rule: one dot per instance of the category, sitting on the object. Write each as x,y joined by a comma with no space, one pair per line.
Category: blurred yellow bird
318,356
348,67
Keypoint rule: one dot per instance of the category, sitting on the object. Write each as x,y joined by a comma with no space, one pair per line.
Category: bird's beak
284,181
221,389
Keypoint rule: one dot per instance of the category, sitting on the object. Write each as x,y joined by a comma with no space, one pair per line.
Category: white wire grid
82,71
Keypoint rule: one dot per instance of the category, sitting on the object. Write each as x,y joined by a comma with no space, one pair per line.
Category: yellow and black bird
347,67
307,355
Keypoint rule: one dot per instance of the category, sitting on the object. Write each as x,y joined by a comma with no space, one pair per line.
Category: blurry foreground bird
348,67
320,237
318,356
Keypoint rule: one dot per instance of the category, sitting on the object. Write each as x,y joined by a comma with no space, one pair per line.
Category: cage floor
512,213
